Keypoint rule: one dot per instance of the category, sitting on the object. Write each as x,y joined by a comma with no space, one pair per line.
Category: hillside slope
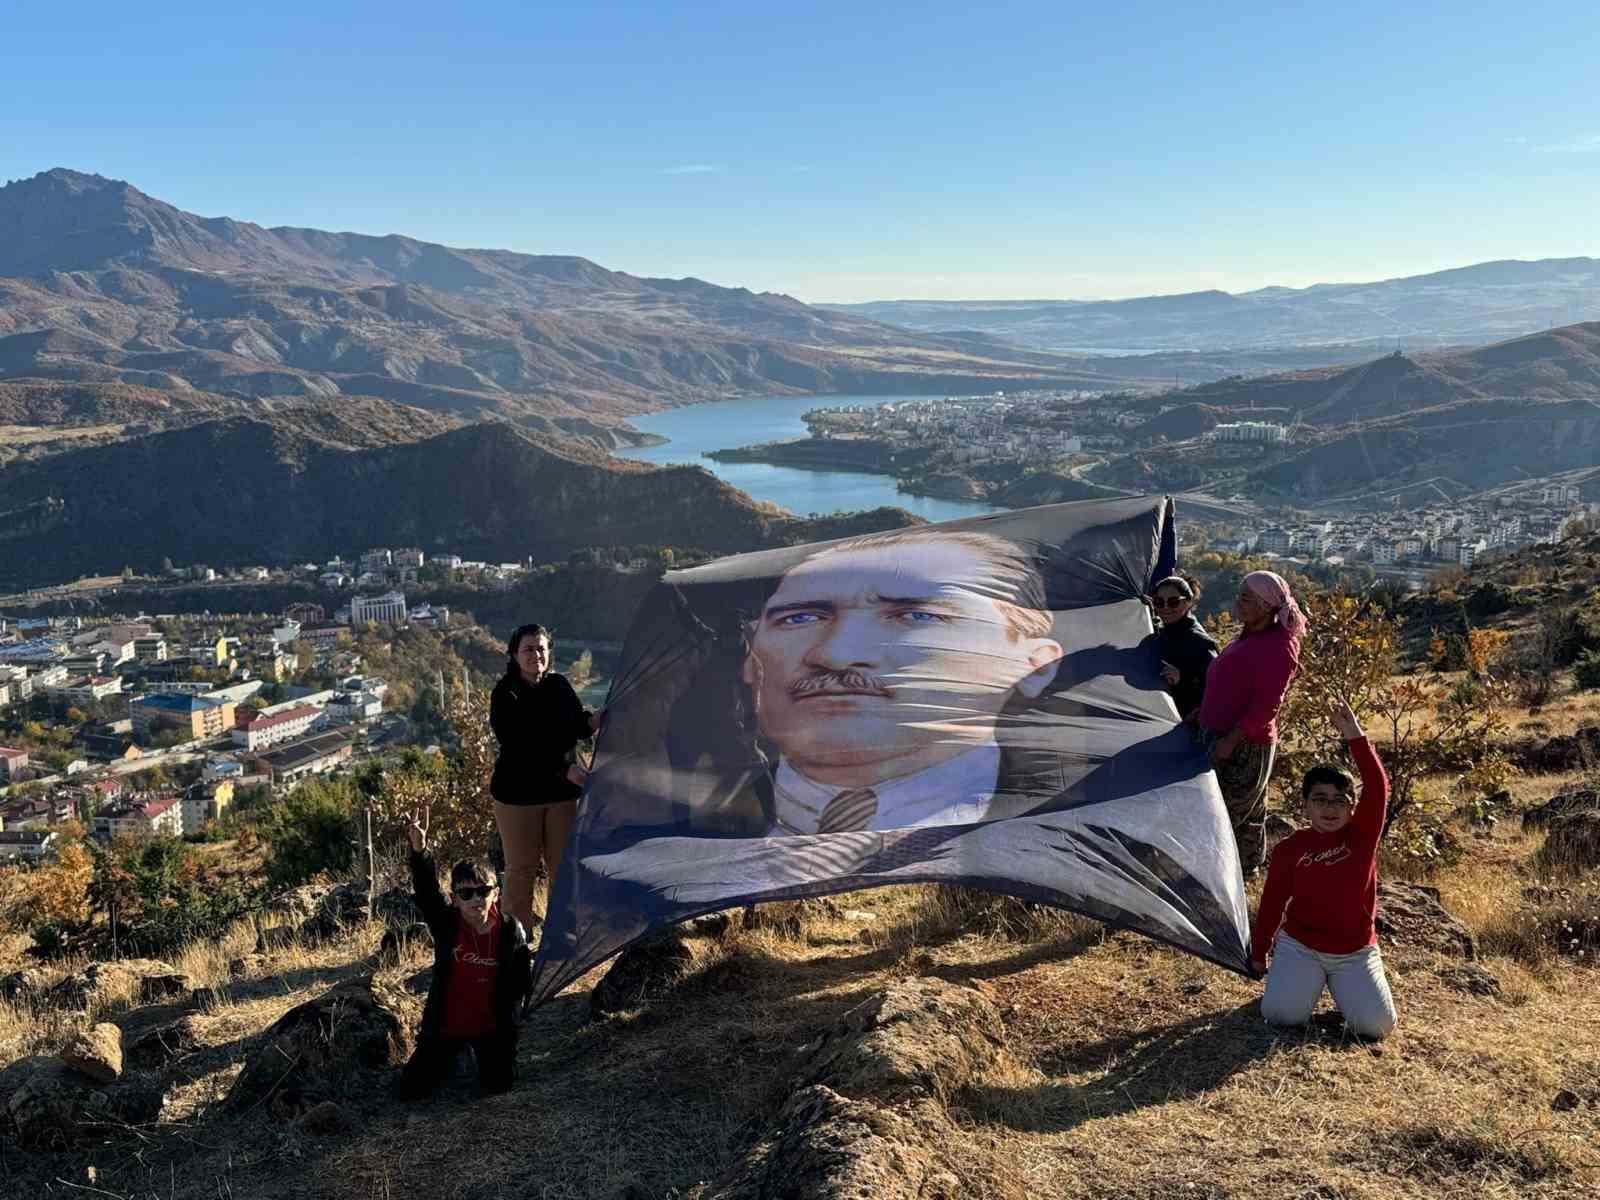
1552,364
100,283
297,485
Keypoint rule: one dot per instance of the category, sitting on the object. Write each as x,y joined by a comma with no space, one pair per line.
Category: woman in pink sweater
1238,717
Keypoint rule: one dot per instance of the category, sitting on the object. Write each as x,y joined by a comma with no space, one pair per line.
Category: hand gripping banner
977,702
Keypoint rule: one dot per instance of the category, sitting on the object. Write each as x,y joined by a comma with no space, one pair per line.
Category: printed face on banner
881,660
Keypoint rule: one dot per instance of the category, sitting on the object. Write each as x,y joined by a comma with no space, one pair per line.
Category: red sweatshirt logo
472,959
1324,858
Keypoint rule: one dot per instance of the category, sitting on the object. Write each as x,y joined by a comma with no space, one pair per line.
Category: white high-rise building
388,608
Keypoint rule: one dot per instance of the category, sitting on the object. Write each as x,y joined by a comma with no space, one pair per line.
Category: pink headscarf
1275,593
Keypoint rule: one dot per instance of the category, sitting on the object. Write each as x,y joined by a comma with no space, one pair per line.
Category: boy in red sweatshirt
480,975
1322,890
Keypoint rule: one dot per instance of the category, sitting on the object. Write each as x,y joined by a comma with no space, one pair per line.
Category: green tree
309,832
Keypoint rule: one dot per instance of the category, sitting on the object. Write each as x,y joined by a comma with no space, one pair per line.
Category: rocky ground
903,1043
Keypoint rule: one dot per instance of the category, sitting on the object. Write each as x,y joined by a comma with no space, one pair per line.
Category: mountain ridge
1474,303
102,283
314,478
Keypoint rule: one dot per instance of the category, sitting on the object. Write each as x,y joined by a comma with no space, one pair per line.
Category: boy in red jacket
480,975
1322,889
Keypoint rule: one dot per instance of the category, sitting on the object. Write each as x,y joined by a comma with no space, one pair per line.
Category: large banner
976,702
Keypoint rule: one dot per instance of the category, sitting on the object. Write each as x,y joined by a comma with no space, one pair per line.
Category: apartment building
142,816
11,764
260,730
197,716
388,608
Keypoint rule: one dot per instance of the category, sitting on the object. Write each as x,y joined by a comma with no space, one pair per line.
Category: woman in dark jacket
1186,648
538,720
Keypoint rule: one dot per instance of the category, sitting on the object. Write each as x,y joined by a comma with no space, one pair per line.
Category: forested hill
291,487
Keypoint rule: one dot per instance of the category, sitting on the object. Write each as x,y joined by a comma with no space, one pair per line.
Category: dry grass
1565,713
1135,1072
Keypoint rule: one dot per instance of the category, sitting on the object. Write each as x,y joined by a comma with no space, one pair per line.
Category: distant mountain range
1479,303
1549,365
1448,423
296,485
108,289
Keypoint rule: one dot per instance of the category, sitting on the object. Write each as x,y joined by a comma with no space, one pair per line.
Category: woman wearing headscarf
538,720
1239,714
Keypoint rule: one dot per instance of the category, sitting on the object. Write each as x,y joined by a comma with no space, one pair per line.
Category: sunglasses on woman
1171,601
470,892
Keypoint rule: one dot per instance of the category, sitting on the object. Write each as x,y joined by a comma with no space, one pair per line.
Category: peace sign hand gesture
417,831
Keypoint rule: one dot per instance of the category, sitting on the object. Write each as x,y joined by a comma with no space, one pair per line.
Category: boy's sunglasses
470,892
1171,601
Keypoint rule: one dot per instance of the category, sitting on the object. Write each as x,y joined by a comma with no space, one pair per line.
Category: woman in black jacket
538,720
1186,648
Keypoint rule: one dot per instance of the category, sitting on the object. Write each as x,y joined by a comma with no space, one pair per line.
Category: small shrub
312,831
1587,673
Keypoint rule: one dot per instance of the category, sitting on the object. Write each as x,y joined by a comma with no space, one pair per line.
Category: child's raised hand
1344,720
417,831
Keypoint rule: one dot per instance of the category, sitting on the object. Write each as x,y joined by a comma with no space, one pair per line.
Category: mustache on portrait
825,682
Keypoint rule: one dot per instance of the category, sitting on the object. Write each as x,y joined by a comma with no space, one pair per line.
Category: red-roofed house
268,729
144,816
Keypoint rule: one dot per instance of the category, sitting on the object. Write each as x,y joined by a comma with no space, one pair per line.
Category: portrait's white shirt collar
954,792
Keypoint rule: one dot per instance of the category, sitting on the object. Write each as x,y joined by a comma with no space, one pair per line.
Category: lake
728,423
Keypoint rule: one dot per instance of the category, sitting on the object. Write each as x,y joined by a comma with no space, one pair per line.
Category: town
1009,434
156,725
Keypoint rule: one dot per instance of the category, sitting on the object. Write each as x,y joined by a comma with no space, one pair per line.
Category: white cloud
694,169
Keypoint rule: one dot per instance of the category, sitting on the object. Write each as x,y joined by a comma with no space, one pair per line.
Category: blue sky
849,151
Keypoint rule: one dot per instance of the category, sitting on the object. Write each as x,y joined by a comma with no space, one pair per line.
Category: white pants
1298,974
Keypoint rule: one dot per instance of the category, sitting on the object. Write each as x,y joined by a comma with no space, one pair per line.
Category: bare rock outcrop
328,1048
1563,804
1411,915
869,1116
142,980
643,971
58,1107
96,1052
159,1046
1573,844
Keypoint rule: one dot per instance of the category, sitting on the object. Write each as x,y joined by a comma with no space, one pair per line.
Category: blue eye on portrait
800,618
920,616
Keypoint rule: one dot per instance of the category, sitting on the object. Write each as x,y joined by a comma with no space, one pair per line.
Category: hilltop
285,486
1446,424
1553,364
101,284
910,1043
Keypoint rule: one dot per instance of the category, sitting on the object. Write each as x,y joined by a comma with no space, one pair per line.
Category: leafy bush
1419,725
156,895
309,832
1588,669
456,790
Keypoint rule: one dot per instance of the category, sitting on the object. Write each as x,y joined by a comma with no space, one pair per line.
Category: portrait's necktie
849,811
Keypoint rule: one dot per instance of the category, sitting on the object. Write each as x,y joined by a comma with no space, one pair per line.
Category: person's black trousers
435,1061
